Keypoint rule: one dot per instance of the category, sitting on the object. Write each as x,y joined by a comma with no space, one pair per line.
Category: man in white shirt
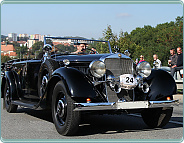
157,63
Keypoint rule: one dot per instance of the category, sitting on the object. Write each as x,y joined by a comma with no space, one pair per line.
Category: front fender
162,85
77,83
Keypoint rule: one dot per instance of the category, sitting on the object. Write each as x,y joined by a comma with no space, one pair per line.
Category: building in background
23,35
12,36
22,43
36,36
42,37
8,50
30,42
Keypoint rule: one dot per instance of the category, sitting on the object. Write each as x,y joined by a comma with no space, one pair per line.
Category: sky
85,20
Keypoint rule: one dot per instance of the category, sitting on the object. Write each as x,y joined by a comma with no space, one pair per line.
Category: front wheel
157,117
65,119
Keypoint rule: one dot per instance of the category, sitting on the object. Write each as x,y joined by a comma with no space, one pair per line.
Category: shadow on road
104,124
41,114
113,124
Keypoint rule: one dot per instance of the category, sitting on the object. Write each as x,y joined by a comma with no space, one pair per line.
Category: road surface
37,124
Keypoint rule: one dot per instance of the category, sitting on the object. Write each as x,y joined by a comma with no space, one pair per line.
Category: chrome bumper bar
124,105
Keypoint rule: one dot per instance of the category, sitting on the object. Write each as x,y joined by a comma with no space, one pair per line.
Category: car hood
81,58
89,58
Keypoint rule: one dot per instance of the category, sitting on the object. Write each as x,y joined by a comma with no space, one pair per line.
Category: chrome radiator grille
118,67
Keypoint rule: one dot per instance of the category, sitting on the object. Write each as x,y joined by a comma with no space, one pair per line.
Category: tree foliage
4,59
37,47
21,51
147,40
62,48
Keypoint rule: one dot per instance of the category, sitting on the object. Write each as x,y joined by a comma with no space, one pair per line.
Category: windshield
63,45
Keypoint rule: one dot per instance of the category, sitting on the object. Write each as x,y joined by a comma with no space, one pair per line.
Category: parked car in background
71,84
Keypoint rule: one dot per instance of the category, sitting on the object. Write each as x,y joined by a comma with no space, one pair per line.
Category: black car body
75,84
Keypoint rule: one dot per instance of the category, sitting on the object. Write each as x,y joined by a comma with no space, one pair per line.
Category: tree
148,40
107,33
37,47
62,48
179,20
109,36
4,59
21,51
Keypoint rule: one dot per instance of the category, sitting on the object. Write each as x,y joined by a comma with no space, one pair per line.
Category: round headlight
144,69
97,68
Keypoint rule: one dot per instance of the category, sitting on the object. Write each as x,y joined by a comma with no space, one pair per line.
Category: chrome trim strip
124,105
167,103
93,106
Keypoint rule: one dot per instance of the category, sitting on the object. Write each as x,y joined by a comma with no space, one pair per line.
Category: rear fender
162,85
76,82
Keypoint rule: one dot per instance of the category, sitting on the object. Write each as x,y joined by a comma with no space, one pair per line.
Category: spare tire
44,75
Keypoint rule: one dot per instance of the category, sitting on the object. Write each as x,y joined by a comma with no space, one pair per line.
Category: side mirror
47,47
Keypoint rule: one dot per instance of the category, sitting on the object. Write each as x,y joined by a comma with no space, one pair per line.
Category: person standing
179,64
141,58
157,63
173,58
172,61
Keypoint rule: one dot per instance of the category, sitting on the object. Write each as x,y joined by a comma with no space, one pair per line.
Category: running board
32,105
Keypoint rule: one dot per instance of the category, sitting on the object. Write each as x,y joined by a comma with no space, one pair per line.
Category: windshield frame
77,39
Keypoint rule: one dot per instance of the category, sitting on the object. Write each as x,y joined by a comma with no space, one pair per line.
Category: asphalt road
37,124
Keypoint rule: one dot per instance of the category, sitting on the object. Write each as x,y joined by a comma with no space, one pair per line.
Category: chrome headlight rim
144,69
95,70
127,53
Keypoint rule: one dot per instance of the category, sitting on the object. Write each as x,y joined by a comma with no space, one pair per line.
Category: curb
178,97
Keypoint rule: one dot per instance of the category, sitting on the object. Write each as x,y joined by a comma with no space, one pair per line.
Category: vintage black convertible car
75,83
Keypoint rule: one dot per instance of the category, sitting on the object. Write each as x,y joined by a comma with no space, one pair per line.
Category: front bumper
124,105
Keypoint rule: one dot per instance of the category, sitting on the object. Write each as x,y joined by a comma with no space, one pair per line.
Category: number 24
128,80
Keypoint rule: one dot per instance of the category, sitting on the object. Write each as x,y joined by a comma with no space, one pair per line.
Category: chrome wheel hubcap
7,96
44,84
61,110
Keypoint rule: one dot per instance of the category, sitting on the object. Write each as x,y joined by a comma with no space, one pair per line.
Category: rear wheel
11,108
65,119
157,117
